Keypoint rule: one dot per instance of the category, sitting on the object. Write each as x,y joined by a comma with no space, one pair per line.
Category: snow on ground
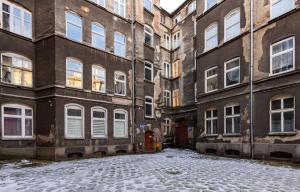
172,170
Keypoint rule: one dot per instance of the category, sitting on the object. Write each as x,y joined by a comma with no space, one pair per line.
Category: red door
149,141
181,137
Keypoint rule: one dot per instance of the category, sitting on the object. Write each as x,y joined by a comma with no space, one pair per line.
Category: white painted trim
211,120
271,3
126,122
99,67
235,68
152,106
232,118
206,78
116,80
98,34
165,97
151,8
151,69
78,107
230,15
210,27
151,34
102,109
119,7
120,43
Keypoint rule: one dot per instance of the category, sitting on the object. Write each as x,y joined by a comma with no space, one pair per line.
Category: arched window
17,121
211,121
98,36
280,7
120,123
211,37
282,116
232,119
148,35
99,122
99,79
120,83
232,24
74,73
16,69
16,19
119,44
73,26
74,121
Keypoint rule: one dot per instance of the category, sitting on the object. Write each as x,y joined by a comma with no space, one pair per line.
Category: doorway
149,141
181,134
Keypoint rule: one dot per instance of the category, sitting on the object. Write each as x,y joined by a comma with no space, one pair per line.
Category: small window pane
98,114
276,104
74,112
12,126
12,111
276,122
228,125
120,116
28,127
229,111
288,103
237,124
289,121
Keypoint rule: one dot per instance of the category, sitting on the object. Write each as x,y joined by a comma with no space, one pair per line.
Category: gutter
133,16
251,75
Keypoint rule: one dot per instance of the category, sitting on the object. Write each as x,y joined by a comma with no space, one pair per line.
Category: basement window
211,121
17,121
283,56
280,7
283,115
232,72
211,79
232,119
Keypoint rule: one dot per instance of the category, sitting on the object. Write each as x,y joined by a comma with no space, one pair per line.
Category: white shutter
119,129
74,128
99,127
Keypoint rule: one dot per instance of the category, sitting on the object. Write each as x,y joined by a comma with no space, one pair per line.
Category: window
98,79
211,37
120,123
211,121
232,120
17,121
148,71
162,19
74,73
148,107
177,19
167,98
176,69
283,56
148,35
167,126
176,98
176,40
211,79
167,70
283,115
192,7
232,25
279,7
99,2
16,19
167,41
120,83
98,36
209,4
195,92
99,122
73,26
16,70
74,121
120,44
232,72
148,5
119,7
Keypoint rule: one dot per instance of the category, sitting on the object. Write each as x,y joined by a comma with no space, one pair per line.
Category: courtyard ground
171,170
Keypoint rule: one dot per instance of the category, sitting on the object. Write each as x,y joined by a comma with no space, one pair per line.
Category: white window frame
123,44
207,78
232,117
117,80
120,4
167,73
283,52
167,126
148,68
196,92
77,107
74,24
151,34
98,34
227,17
76,60
23,10
192,7
272,2
211,120
227,71
14,55
151,5
167,98
205,5
282,111
102,68
100,109
177,19
166,42
22,116
210,27
152,107
126,122
176,40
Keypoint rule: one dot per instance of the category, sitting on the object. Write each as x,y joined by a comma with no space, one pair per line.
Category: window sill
283,134
147,81
211,135
99,138
232,135
18,138
120,138
149,46
16,86
74,138
149,118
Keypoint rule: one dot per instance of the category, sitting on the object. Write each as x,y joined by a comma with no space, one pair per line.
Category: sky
170,5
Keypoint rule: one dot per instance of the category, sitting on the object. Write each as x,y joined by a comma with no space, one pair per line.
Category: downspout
133,73
251,75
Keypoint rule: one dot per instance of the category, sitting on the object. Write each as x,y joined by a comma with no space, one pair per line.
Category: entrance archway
149,141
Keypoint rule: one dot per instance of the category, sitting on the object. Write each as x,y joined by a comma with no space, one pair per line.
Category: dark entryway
149,141
181,134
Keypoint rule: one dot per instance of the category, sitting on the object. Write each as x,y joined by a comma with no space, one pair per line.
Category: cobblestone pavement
172,170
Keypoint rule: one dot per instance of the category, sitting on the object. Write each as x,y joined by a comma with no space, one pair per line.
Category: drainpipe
133,73
251,75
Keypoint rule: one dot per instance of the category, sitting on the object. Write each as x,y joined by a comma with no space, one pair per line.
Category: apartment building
241,111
